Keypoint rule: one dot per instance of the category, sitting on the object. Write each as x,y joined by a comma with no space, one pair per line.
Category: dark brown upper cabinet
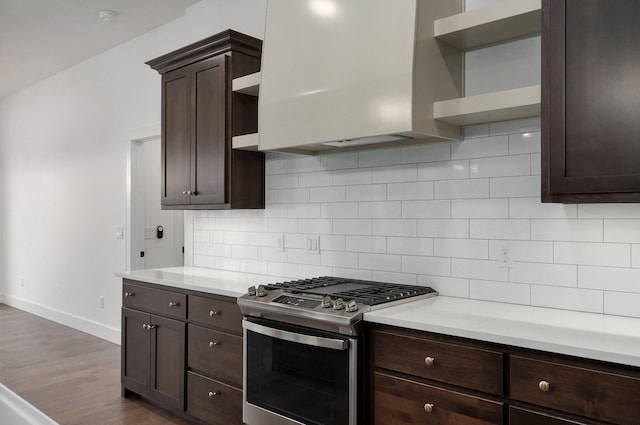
590,101
200,115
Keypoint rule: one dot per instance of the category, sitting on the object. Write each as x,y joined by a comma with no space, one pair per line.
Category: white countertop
220,282
594,336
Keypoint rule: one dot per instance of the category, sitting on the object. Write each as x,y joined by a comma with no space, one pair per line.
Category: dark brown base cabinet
183,352
426,378
590,102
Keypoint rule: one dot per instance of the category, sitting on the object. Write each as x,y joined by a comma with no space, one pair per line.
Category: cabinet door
167,362
590,102
176,137
209,156
135,351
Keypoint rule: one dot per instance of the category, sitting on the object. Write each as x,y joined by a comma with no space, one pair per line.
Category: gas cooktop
329,303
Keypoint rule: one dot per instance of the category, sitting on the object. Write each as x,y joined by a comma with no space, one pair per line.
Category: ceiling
39,38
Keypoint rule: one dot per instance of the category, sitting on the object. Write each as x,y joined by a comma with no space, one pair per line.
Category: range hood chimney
342,73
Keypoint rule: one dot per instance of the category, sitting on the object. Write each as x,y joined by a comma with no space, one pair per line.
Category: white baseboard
76,322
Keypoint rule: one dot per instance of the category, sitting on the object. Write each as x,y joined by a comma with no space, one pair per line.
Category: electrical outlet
505,257
101,301
280,242
119,233
22,282
312,244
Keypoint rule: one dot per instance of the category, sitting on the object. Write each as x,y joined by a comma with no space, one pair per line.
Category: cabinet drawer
451,363
586,392
216,313
215,353
167,303
526,417
400,401
213,402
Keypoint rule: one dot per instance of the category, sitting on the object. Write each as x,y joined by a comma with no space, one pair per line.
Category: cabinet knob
145,326
214,313
428,407
429,361
187,192
544,386
213,394
213,344
151,327
174,304
129,294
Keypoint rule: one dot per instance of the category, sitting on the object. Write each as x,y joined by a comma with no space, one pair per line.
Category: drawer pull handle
129,294
429,361
213,344
214,313
171,304
213,394
544,386
428,407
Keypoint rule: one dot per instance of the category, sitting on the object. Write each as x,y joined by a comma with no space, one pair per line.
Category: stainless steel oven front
298,375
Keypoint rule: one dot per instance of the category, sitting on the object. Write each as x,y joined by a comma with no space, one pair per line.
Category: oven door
295,375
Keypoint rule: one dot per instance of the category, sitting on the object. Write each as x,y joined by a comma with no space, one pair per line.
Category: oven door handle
315,341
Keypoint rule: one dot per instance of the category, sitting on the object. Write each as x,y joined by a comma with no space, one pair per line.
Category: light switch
313,244
119,233
150,232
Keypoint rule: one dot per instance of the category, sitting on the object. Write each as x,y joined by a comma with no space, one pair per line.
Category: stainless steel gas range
305,349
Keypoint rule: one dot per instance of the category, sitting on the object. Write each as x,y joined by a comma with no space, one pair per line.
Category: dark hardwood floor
71,376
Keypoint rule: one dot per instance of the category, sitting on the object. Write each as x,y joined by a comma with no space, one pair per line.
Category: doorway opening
156,236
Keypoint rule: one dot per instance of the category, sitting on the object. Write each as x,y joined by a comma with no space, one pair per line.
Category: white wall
63,148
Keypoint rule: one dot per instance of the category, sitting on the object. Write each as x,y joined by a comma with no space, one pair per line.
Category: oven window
306,383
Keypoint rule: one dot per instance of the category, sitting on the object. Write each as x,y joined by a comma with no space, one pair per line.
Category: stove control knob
326,302
252,291
261,291
338,304
351,306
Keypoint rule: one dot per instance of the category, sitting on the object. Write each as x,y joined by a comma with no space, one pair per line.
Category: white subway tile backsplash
622,304
622,231
567,230
435,214
460,189
445,170
480,148
328,194
534,208
391,227
429,152
382,209
443,228
567,298
375,192
524,143
461,248
426,209
503,292
409,246
500,166
618,211
433,266
449,286
380,158
609,278
409,191
515,187
478,269
499,229
381,262
376,244
480,208
317,179
544,274
339,161
596,254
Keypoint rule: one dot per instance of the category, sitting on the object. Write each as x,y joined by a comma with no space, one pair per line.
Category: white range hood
340,73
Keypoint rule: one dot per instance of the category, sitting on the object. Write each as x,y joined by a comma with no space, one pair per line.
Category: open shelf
499,22
491,107
249,84
247,142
